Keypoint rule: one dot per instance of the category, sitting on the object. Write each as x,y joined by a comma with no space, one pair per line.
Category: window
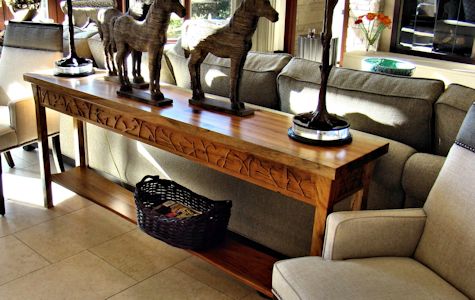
200,9
268,37
211,9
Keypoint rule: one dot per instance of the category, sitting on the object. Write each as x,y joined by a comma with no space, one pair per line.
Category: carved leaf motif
266,173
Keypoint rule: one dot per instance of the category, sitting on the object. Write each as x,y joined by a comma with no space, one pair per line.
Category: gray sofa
419,118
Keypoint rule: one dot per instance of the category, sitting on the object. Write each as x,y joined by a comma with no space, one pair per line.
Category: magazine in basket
174,209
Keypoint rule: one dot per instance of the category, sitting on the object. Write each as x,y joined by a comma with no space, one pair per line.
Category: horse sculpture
231,41
148,36
106,20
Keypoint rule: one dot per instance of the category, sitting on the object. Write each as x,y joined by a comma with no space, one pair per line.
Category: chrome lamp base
73,67
320,134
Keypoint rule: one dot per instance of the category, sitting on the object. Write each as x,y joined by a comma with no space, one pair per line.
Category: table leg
325,194
360,198
80,145
43,150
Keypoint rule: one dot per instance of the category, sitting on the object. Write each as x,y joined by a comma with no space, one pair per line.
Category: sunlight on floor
28,190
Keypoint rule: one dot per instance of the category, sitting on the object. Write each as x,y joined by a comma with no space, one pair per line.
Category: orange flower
386,21
373,27
371,16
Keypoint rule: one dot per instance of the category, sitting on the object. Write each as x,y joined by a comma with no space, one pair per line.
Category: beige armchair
426,253
27,47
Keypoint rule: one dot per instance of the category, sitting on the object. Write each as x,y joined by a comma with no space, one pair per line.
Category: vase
371,47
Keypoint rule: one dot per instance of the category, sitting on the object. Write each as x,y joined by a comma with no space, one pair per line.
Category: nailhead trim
465,146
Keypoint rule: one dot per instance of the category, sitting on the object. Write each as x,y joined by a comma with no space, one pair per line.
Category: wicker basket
196,232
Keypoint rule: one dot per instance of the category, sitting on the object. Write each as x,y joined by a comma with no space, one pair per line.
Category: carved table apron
255,148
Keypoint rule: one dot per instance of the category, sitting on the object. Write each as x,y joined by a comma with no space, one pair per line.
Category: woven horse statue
149,36
106,20
231,41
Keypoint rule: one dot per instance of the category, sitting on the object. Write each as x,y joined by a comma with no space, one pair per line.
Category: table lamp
73,65
320,127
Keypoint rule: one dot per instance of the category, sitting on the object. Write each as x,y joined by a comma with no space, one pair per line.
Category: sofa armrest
23,120
373,233
420,172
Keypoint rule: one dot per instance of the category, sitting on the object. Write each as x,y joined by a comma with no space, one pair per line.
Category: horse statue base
136,85
144,97
222,106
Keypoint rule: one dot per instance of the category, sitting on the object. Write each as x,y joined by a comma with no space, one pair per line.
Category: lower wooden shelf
242,261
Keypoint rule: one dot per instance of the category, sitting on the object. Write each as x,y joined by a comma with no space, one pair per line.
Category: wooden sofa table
254,148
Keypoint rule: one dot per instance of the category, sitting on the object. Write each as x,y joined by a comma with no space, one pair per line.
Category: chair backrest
447,245
27,47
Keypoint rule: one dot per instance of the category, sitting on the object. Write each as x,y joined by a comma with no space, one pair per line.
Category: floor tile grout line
114,267
146,278
115,237
198,279
204,283
21,241
21,276
138,282
172,265
37,270
49,220
49,261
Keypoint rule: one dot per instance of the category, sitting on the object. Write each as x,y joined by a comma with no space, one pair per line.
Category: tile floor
78,250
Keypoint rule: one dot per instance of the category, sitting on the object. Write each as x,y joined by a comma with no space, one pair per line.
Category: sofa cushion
398,108
85,10
448,241
372,278
97,50
385,190
80,40
420,173
258,83
450,110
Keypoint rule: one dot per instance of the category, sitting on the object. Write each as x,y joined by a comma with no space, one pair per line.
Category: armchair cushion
373,233
371,278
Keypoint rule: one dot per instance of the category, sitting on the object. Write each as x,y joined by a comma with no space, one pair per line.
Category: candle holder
73,65
320,127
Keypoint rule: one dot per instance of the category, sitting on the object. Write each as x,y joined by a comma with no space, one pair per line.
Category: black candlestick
320,127
73,65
